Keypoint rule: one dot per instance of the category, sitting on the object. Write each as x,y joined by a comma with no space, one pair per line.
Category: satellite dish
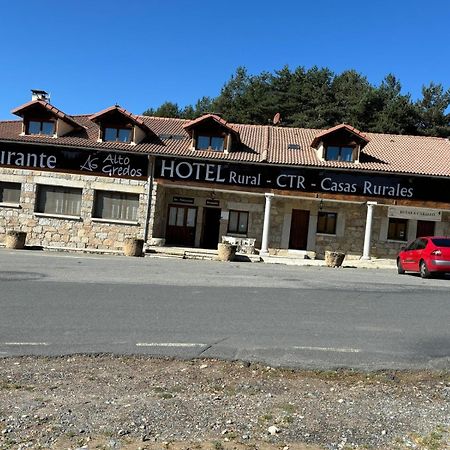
276,118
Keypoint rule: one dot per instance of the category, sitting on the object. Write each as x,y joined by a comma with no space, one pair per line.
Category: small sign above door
184,200
210,202
400,212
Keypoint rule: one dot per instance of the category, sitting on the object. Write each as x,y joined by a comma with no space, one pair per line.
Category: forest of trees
319,98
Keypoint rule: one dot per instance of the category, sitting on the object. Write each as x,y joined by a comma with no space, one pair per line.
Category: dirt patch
138,402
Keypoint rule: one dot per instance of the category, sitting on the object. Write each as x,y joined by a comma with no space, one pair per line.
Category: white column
368,233
266,226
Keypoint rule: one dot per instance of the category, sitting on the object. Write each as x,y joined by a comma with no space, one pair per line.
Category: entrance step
194,253
296,254
181,252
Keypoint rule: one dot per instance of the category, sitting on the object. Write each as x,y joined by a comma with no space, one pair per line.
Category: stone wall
162,197
87,232
84,232
350,229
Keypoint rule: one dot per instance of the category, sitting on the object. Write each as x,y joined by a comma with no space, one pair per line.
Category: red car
426,255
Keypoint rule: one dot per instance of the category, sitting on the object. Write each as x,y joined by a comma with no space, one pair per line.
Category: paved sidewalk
292,259
195,253
375,263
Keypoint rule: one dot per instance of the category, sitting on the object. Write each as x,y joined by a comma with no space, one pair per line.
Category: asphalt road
311,317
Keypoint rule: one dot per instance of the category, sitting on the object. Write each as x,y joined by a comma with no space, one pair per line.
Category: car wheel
400,268
424,272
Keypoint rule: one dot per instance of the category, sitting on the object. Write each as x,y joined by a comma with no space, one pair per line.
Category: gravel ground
136,402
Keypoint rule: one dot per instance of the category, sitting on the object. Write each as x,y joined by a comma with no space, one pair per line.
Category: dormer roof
211,118
361,138
22,111
128,116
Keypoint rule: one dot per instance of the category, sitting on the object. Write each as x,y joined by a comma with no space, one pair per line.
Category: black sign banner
406,187
89,162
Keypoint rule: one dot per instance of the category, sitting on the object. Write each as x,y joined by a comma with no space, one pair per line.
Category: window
334,153
58,200
441,242
215,143
238,222
10,192
116,206
421,244
117,135
41,128
412,246
182,216
397,230
326,222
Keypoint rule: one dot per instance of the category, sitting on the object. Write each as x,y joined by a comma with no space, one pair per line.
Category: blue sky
91,54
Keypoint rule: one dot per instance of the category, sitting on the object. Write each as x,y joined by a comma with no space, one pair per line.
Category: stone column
368,233
265,235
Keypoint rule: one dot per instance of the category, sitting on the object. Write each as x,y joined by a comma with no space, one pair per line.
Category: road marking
24,343
169,344
330,349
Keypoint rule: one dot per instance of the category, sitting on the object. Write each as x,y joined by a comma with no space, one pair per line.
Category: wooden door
181,225
298,238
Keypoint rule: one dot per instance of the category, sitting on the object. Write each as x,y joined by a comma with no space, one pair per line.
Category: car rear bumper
440,264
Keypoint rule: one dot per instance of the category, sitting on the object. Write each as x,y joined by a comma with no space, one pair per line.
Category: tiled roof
384,152
137,120
52,109
264,144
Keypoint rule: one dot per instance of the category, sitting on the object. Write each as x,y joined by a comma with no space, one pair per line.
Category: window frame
4,185
40,204
41,125
97,214
394,231
238,221
339,154
325,229
210,138
117,132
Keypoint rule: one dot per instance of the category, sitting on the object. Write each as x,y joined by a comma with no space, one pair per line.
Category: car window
421,244
412,246
441,242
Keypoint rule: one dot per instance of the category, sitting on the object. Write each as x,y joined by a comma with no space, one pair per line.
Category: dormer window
339,153
117,135
40,118
118,125
341,143
211,133
214,143
41,128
